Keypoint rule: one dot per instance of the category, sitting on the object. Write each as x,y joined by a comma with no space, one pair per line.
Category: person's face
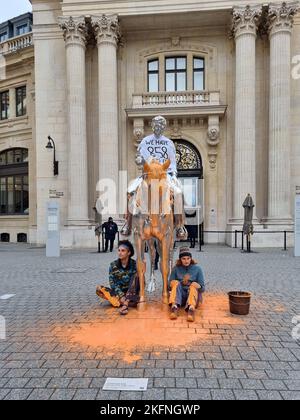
123,252
158,128
186,261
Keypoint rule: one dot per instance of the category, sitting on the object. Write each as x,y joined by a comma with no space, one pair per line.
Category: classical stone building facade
225,74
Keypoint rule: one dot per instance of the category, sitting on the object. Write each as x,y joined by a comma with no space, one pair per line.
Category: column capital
245,20
107,29
74,29
281,16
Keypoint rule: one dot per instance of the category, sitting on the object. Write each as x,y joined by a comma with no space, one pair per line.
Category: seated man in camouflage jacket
123,280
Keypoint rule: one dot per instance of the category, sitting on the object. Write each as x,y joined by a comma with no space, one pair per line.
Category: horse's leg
140,247
165,261
152,252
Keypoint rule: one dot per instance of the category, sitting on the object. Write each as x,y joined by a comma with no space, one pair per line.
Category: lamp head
49,144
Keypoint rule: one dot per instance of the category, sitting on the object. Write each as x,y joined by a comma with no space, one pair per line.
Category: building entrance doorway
190,172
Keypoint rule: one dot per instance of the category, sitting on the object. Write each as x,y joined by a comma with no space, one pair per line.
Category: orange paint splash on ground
149,329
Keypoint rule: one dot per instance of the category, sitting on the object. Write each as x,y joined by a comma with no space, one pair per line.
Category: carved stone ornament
212,159
107,29
138,134
74,29
245,20
175,130
281,16
213,136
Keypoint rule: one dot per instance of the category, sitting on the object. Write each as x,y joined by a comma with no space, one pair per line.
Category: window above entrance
177,73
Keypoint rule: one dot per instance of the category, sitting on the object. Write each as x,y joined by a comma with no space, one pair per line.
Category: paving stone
94,373
130,395
222,395
274,384
187,364
108,395
59,383
290,395
41,394
154,373
230,384
134,373
164,383
186,383
176,394
199,394
252,384
242,395
269,395
16,373
204,383
18,394
63,394
154,394
257,374
38,383
235,373
176,373
80,383
215,373
17,383
85,394
293,385
4,392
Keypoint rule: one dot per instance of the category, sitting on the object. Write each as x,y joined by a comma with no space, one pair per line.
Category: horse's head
156,170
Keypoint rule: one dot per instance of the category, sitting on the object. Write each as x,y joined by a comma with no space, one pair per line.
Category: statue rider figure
159,147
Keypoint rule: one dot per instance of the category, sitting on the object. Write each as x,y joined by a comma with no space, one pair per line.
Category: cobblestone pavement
224,357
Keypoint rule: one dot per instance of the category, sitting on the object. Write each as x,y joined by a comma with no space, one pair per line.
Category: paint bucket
239,302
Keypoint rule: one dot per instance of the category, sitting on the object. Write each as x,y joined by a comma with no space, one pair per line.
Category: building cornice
177,111
143,7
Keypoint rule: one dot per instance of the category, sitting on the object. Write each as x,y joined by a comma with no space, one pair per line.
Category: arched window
188,159
190,172
14,197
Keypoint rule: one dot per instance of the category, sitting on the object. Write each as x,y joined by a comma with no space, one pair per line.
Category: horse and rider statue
155,211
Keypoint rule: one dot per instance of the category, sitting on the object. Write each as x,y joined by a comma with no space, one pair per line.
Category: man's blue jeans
181,296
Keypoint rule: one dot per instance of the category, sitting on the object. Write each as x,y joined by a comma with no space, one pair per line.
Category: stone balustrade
17,43
184,98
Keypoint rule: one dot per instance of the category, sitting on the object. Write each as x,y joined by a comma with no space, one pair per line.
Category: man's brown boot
191,314
174,312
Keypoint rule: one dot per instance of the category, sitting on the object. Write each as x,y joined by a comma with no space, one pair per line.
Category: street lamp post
51,145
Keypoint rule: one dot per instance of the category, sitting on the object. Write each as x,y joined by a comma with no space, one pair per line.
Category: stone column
108,35
244,29
280,22
75,38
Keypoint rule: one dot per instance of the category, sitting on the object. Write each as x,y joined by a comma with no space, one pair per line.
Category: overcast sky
13,8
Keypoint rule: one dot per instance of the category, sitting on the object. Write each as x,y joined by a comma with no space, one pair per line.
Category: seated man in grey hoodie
186,285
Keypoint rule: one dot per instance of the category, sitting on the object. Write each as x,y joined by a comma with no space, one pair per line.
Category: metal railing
245,242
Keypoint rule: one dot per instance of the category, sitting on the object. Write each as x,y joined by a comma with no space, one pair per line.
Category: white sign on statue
297,223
